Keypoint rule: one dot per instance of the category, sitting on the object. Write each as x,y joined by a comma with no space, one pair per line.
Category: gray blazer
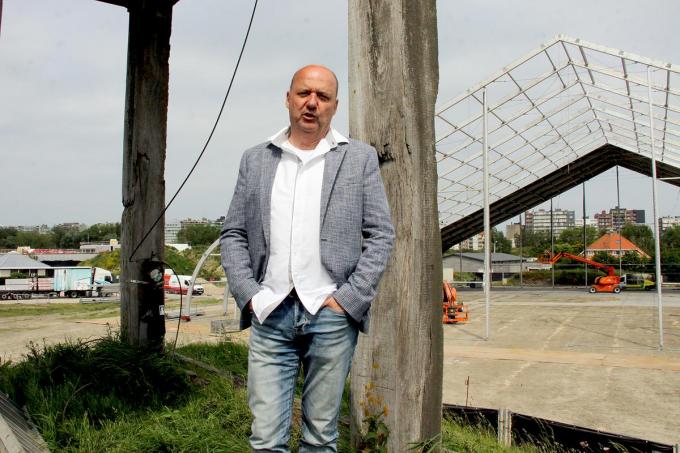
356,233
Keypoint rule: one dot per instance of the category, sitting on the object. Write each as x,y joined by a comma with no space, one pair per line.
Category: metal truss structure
556,117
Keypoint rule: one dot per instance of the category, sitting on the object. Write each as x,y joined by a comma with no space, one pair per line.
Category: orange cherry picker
610,283
453,311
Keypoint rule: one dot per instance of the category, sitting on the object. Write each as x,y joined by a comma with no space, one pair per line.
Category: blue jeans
324,344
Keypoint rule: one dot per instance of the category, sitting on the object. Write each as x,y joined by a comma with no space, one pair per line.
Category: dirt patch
90,321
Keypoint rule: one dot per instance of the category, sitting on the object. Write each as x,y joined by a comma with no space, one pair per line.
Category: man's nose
312,101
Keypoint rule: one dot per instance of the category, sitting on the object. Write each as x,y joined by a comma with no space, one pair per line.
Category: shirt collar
332,138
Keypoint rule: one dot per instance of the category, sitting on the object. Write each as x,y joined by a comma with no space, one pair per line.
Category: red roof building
612,243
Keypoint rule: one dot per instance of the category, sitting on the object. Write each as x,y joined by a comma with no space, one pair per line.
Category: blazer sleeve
356,295
234,251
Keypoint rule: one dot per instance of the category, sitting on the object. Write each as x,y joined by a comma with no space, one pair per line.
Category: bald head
318,69
312,100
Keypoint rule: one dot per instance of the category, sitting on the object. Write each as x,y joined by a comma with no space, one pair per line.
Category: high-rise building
42,229
172,228
588,221
512,232
475,242
668,221
72,226
617,217
540,220
604,220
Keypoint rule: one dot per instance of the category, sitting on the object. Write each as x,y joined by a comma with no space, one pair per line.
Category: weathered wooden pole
393,80
146,112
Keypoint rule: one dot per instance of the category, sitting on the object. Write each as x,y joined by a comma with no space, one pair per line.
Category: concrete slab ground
587,359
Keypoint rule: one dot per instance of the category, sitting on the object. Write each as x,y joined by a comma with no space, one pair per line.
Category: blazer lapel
270,160
334,158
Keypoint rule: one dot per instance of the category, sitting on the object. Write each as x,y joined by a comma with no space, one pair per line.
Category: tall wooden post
393,80
146,112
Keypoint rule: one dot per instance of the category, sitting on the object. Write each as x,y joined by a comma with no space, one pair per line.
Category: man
304,245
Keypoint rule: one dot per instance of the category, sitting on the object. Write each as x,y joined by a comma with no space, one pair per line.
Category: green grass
466,438
106,396
87,310
75,387
195,302
104,309
226,355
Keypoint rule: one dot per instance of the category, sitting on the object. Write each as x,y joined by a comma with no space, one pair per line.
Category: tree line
59,236
537,243
70,237
571,240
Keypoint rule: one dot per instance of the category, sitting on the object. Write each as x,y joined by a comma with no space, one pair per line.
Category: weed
428,445
374,432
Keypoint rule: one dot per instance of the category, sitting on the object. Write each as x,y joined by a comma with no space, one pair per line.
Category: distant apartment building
72,226
172,228
588,221
476,242
617,217
540,220
512,232
668,221
41,229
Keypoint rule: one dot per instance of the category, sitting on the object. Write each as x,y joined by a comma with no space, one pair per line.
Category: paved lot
590,360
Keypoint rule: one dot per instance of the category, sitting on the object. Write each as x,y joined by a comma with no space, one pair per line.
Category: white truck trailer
72,282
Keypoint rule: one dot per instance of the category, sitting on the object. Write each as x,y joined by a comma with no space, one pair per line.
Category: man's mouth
309,116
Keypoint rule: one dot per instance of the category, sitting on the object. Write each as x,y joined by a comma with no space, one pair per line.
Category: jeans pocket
331,312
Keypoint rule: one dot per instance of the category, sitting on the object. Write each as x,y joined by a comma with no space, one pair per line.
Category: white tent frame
585,96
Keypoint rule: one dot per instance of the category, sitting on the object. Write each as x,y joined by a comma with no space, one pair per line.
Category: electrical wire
217,120
179,317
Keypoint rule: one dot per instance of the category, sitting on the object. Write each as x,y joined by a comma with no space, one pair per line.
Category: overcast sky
62,89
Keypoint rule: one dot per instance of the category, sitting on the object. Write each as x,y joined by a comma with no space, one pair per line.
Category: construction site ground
591,360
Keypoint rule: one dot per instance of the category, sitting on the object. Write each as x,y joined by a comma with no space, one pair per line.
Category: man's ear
287,104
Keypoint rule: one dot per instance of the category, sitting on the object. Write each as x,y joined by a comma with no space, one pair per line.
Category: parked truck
67,282
80,281
638,281
176,284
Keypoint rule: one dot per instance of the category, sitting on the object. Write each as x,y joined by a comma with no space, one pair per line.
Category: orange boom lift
610,283
453,312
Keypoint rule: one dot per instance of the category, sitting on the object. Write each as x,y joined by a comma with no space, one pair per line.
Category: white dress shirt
294,254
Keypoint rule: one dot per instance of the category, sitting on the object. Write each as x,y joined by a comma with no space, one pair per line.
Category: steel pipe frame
594,163
609,122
